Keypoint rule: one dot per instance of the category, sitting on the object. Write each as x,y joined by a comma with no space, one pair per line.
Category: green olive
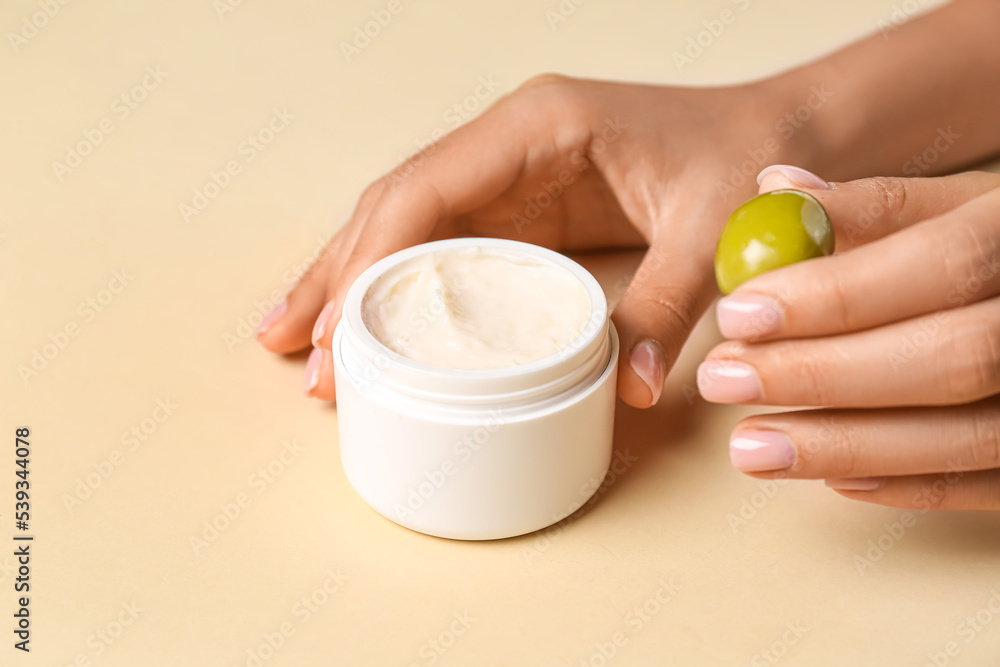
771,230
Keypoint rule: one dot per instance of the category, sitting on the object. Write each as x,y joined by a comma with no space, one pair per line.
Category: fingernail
272,317
856,483
312,370
321,321
751,451
728,382
648,363
748,316
789,176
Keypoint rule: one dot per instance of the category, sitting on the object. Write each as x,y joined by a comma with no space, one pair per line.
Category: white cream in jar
476,308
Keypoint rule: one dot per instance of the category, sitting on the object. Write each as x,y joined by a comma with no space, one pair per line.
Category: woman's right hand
895,337
571,165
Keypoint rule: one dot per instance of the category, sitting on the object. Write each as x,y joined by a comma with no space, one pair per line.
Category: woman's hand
571,165
897,336
575,164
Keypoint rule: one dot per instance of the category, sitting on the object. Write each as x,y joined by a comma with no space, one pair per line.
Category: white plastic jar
475,454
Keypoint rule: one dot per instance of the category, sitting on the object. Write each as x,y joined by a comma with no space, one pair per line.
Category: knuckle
674,316
556,97
665,314
303,293
842,448
937,496
838,313
730,349
968,257
811,371
371,193
419,195
316,274
548,80
677,315
969,362
891,193
986,437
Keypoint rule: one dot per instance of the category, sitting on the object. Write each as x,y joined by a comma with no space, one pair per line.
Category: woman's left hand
897,336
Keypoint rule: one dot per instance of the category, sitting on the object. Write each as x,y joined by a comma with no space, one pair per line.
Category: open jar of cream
475,387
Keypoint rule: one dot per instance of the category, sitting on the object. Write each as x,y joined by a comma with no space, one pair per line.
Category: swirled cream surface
475,308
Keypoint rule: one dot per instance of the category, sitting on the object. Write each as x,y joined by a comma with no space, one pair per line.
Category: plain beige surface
681,561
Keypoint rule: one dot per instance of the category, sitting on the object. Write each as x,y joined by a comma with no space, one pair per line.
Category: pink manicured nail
648,363
321,321
272,317
752,451
796,177
746,317
312,370
856,483
728,382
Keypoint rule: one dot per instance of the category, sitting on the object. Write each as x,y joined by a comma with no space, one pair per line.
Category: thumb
654,317
868,209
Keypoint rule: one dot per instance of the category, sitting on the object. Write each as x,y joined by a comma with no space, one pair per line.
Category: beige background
175,333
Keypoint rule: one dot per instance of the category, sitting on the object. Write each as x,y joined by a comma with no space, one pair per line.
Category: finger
836,444
318,381
289,327
947,358
973,490
654,317
938,264
286,328
867,209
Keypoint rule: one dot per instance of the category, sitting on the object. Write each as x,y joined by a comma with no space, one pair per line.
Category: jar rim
476,382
